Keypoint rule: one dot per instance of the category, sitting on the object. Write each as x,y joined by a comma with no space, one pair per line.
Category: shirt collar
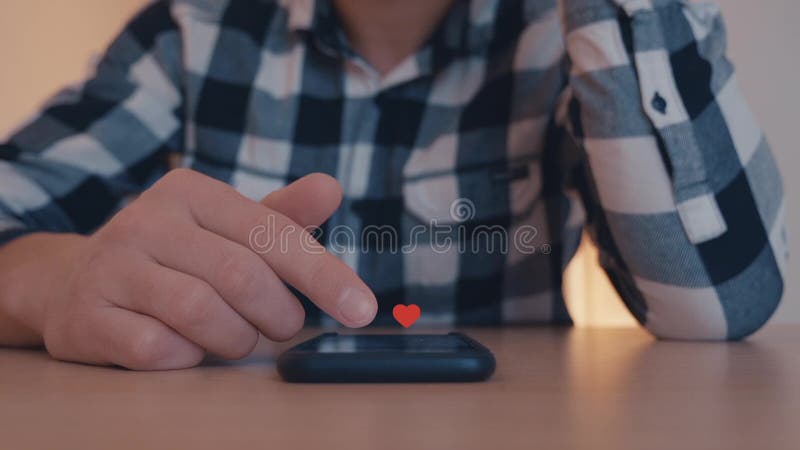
466,30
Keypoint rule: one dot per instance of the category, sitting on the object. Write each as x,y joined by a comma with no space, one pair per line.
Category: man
470,115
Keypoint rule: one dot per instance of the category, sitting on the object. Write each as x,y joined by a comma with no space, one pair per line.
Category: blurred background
45,44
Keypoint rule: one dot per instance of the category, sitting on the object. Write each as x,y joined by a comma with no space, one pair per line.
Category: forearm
68,169
685,199
30,269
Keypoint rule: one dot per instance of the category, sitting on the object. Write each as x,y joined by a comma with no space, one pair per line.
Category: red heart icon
406,315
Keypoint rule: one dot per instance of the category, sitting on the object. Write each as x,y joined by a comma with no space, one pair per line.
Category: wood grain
554,389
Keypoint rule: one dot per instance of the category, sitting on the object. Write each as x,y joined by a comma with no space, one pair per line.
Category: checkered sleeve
92,146
683,196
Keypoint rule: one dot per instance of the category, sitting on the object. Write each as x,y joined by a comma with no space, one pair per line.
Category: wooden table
554,388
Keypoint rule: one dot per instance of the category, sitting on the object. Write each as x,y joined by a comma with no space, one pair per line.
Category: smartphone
387,358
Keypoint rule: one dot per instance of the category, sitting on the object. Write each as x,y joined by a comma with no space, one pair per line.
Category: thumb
309,201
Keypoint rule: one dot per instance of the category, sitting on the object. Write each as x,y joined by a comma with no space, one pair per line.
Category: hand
173,275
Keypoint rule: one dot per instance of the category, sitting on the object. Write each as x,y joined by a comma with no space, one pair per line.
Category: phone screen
334,343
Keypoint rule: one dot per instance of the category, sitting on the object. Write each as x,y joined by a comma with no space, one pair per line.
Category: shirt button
659,103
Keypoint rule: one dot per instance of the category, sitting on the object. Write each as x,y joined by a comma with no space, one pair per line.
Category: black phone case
302,366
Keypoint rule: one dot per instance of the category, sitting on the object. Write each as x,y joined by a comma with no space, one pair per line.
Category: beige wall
47,43
765,45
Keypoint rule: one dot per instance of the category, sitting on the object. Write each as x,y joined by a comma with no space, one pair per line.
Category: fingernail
356,307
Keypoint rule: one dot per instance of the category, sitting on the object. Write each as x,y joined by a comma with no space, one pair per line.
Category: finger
186,304
135,341
240,276
309,201
289,250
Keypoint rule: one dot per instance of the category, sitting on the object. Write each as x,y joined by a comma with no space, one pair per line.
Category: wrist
33,270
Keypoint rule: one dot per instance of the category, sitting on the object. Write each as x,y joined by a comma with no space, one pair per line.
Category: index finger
288,248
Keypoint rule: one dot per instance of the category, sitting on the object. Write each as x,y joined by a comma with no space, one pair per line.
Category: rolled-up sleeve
683,195
93,145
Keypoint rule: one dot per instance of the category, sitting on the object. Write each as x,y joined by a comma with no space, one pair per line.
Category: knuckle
129,223
240,276
318,271
291,325
175,181
179,176
244,346
147,348
194,307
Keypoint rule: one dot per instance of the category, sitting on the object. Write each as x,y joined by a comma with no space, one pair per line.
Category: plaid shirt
623,117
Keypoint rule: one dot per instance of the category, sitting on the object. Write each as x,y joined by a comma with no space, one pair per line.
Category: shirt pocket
489,193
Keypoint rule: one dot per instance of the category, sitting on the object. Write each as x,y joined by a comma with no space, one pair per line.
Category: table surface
554,388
